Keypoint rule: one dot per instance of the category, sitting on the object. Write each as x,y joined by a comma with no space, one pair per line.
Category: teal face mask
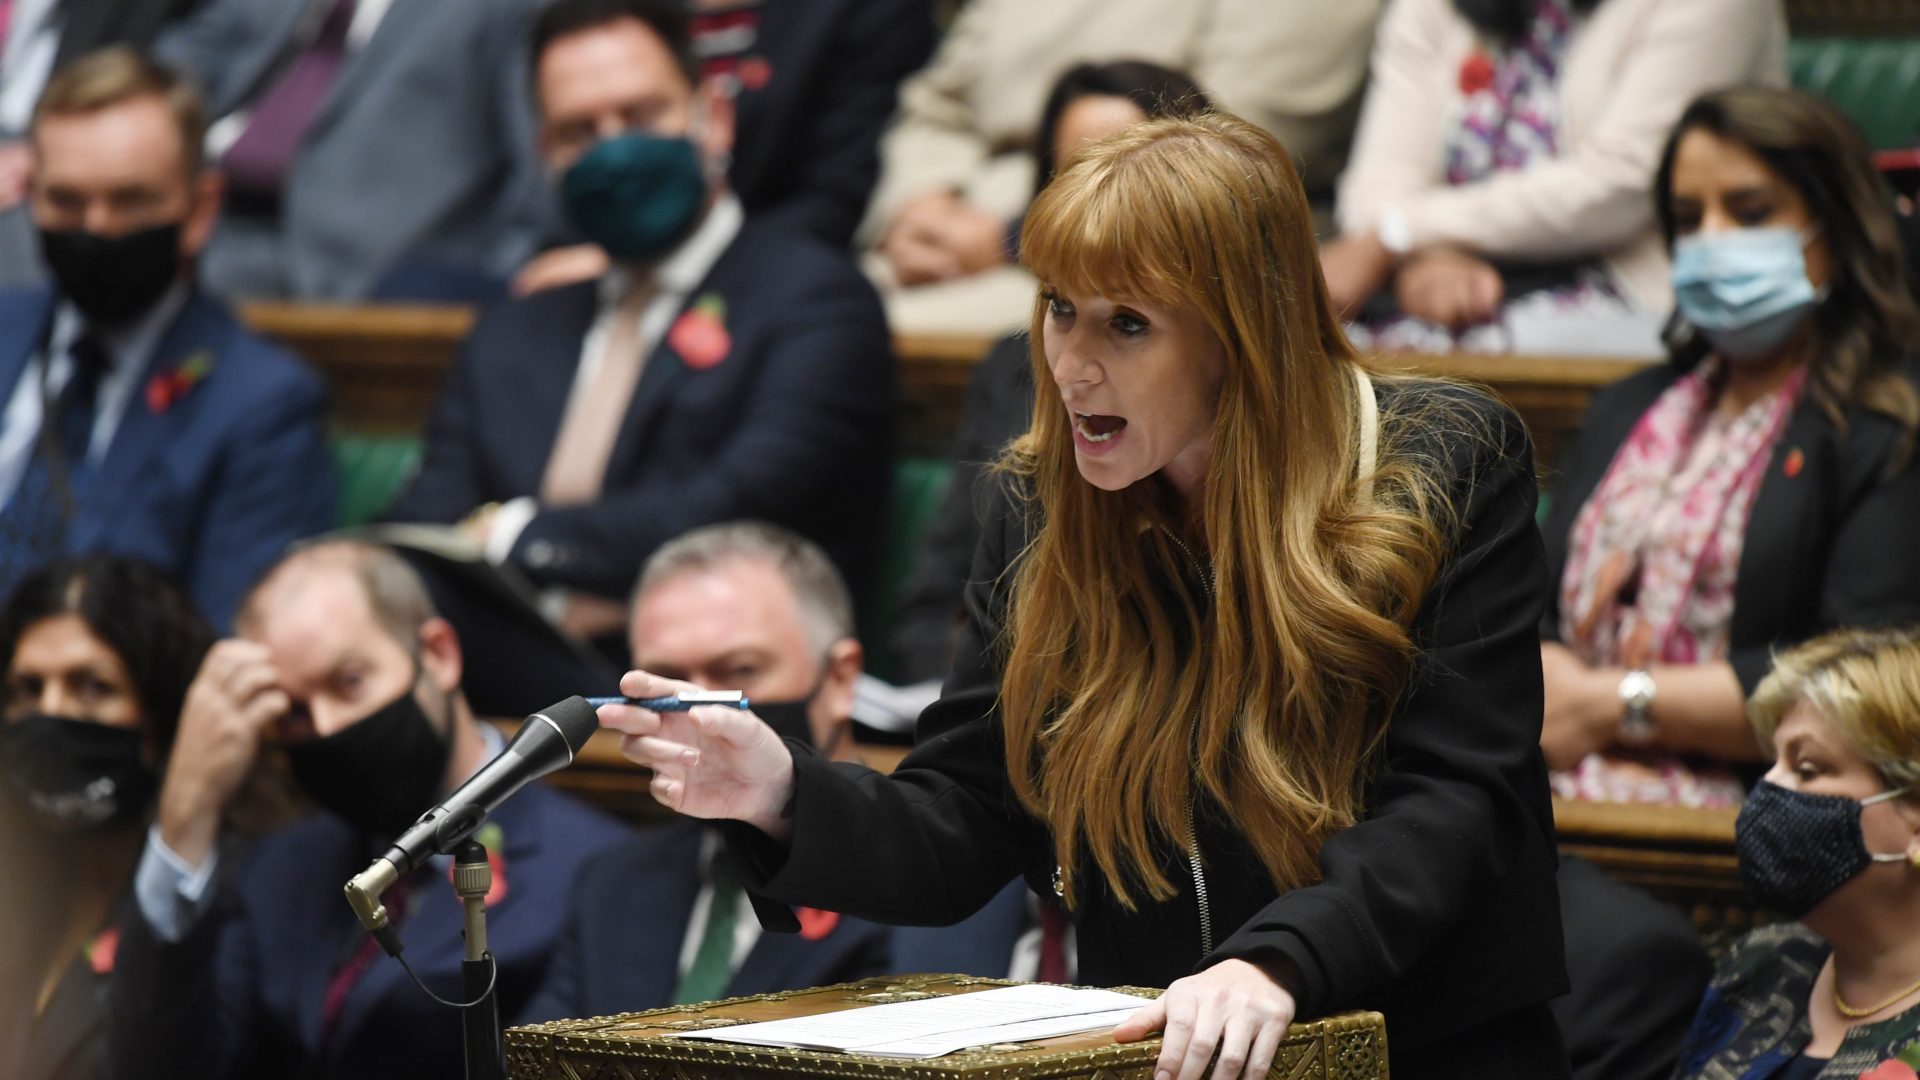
637,195
1746,290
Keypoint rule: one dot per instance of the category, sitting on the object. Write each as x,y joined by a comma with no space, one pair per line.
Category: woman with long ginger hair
1249,681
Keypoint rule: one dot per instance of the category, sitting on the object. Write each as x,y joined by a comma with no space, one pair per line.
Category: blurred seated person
36,38
373,148
724,368
957,166
97,653
251,965
1089,103
140,418
1830,839
813,84
1498,186
662,920
813,89
1756,490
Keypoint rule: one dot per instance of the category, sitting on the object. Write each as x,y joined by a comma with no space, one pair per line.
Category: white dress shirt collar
688,265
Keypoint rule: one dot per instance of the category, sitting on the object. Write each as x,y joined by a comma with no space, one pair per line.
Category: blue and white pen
678,702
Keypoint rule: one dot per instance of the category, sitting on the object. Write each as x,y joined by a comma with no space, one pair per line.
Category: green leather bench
1876,81
373,467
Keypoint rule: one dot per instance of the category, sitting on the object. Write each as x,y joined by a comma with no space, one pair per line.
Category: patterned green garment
1754,1018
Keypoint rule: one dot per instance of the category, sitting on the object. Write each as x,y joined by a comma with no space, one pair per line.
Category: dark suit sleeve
823,388
836,158
449,484
1461,782
183,1009
276,486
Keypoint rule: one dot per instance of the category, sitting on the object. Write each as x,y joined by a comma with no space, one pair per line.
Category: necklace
1852,1013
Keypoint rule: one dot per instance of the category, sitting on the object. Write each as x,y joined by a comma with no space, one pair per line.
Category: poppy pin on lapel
170,386
700,335
816,924
1796,460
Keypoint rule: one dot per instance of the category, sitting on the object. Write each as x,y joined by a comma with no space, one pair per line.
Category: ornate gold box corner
640,1046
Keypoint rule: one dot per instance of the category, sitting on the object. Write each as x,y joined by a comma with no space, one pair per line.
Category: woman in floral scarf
1755,491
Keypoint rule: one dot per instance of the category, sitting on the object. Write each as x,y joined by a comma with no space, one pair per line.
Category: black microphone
546,742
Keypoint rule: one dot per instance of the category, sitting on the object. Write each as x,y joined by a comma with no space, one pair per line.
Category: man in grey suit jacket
417,162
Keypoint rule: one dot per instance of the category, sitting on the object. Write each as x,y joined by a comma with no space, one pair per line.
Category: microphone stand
485,1041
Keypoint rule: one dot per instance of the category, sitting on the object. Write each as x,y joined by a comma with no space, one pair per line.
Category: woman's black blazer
1833,540
1439,908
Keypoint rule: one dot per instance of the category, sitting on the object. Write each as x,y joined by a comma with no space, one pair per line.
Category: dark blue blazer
621,952
243,994
792,426
212,487
807,151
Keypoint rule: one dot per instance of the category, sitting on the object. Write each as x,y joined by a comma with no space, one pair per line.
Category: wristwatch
1636,694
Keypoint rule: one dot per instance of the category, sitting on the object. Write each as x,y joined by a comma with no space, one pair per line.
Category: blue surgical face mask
638,195
1746,290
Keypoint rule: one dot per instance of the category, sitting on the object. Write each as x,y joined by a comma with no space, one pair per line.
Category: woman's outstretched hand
711,762
1233,1007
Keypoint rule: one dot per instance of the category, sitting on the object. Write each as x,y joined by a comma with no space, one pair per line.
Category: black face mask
1795,848
788,719
381,773
113,279
76,776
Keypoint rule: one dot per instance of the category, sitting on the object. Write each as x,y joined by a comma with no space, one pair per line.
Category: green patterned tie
712,966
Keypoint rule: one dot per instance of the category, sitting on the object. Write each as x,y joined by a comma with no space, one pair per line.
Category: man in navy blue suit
251,964
661,919
723,368
140,419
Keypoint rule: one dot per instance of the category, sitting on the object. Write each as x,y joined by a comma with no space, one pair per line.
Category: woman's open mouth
1094,431
1096,428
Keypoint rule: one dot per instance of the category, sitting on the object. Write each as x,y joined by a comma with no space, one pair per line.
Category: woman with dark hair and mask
1831,838
1757,490
1499,176
98,653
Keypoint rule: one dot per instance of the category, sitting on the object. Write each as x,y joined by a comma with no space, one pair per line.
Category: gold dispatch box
638,1046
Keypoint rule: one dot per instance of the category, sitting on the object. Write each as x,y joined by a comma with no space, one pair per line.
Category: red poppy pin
815,924
1891,1070
755,72
170,386
700,335
1476,73
102,950
491,838
1794,463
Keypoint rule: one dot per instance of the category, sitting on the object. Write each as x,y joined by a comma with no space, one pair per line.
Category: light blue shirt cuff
172,895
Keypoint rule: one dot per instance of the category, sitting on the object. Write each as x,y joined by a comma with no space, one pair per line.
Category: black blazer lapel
658,381
199,333
1778,586
647,924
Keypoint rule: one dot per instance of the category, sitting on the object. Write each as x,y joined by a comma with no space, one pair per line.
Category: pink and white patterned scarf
1655,553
